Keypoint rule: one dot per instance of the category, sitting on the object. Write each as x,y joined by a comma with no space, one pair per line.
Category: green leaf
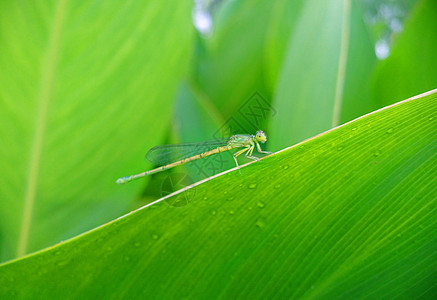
196,120
233,54
326,73
411,68
85,88
348,214
281,24
244,53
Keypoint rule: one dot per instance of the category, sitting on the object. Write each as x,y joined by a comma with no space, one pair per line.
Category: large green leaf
281,24
326,73
197,120
85,88
233,54
411,68
244,53
350,213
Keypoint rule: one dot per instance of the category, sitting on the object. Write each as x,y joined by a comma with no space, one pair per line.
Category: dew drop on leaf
61,263
252,186
260,223
260,204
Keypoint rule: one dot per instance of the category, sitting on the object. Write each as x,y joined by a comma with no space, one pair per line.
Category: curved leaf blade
80,100
347,214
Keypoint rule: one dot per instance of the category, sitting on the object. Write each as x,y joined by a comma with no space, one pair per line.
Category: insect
163,154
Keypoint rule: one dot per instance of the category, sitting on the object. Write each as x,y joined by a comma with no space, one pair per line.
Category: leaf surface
349,213
85,89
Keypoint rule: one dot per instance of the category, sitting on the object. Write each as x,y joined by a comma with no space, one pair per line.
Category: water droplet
205,198
59,252
277,186
155,236
339,148
137,244
285,167
225,192
230,198
213,212
260,223
389,130
231,212
377,153
252,186
260,204
354,129
431,118
61,263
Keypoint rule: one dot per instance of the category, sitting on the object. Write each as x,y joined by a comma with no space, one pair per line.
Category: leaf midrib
342,62
47,74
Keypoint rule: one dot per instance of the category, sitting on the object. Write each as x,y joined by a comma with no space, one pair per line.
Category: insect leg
261,151
249,153
238,153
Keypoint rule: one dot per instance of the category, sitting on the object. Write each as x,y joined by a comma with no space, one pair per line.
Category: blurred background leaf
412,66
85,89
347,214
325,73
241,57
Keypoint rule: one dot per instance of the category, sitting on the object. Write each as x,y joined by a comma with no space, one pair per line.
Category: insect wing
165,154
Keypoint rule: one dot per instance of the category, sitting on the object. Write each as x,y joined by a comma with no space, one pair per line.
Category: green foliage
328,62
412,66
81,87
86,89
349,213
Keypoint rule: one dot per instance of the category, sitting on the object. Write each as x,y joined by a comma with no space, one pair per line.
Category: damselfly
163,154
